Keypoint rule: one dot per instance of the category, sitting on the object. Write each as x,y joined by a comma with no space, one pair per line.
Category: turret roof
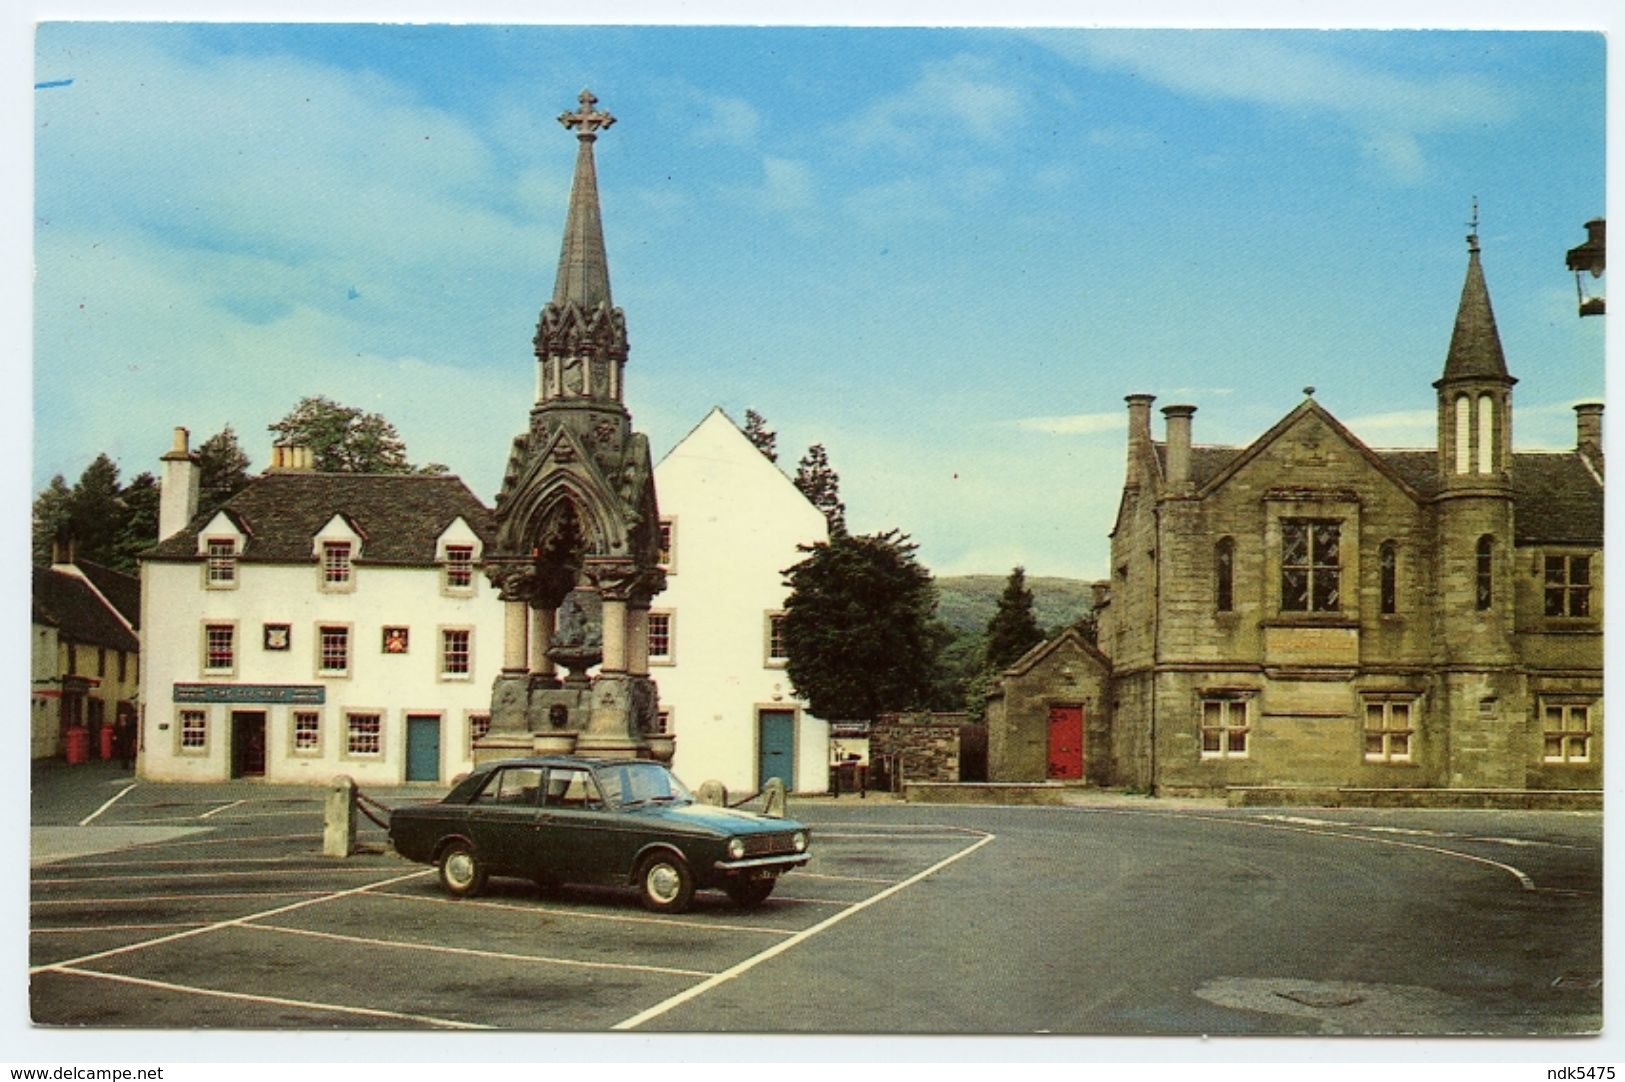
1475,346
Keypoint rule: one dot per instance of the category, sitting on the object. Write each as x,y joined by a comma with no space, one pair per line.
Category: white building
316,624
731,523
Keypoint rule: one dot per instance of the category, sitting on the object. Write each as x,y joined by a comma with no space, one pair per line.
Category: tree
52,513
859,626
757,432
343,439
96,513
822,485
107,523
139,529
224,469
1013,629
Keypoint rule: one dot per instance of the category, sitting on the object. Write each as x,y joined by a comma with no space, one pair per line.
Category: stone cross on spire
587,119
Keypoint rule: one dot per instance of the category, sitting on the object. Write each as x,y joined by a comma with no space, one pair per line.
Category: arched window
1224,574
1486,434
1388,574
1486,571
1464,434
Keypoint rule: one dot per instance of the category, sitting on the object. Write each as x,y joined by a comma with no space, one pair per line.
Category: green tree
757,432
107,523
139,529
52,513
859,626
96,512
1013,629
343,439
224,469
822,485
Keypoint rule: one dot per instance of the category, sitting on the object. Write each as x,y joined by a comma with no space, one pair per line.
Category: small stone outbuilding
1049,715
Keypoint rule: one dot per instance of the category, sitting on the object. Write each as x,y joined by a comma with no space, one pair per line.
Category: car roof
563,760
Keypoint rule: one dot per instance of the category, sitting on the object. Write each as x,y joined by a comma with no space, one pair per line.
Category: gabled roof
1071,636
401,516
80,614
122,591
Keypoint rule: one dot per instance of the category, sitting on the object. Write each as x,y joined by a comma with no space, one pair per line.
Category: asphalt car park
219,910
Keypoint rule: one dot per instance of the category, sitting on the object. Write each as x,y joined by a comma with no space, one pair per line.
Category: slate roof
68,603
398,516
1556,498
1475,346
124,591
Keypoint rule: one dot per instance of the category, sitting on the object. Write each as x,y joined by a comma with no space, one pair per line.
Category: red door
1066,743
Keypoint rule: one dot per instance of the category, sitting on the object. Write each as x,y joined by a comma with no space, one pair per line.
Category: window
660,641
222,563
1568,586
194,731
1224,728
1464,434
569,788
777,655
1224,574
366,734
663,721
1567,731
478,726
1388,577
668,537
517,786
1485,575
1310,565
101,662
454,652
336,567
334,650
1389,731
1486,433
123,666
459,569
73,660
307,732
219,648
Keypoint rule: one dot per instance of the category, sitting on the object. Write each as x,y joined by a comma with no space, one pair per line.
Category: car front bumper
778,861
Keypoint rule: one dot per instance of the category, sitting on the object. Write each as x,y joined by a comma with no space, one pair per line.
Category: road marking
1419,832
234,922
810,901
141,898
117,927
114,799
311,813
551,911
800,937
275,1001
224,839
437,948
1274,824
198,875
194,861
843,878
221,808
822,834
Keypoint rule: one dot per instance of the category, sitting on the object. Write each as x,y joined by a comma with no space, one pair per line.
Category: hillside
966,602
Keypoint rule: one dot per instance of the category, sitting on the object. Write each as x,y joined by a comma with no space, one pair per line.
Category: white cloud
1077,424
964,93
788,184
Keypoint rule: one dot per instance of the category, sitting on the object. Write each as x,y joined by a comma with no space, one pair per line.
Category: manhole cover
1311,997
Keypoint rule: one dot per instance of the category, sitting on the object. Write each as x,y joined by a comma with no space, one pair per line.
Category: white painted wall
176,606
736,522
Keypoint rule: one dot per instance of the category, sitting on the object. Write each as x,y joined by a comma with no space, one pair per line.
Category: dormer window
459,569
338,572
221,566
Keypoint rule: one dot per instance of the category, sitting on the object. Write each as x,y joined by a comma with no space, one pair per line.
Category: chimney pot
1179,443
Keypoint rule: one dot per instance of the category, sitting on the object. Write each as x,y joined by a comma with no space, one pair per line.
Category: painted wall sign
296,694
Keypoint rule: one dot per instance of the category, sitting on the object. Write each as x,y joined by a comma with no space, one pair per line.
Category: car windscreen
639,783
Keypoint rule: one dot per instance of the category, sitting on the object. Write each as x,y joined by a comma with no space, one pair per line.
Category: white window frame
1387,732
351,715
667,542
294,732
220,563
665,720
182,717
230,627
773,618
321,650
1564,735
446,633
1227,706
459,566
670,619
337,575
472,726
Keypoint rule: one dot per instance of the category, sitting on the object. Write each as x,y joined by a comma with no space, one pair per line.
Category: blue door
423,747
776,741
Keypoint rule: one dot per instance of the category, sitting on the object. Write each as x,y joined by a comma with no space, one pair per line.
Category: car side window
571,789
514,786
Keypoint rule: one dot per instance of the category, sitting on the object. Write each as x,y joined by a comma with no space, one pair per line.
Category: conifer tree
757,432
1013,628
822,485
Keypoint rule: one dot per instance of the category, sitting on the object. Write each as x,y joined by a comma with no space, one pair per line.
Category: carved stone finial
1309,392
586,118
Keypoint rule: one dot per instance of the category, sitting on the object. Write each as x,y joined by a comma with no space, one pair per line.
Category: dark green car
565,819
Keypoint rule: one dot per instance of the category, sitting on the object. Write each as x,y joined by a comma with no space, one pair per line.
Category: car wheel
749,893
462,873
665,884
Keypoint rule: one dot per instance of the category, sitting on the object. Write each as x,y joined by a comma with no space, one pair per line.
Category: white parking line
843,878
822,834
221,808
800,937
314,863
274,1001
335,870
144,898
86,821
116,927
234,922
224,839
437,948
579,914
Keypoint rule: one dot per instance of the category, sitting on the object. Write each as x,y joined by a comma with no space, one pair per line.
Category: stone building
1308,610
1049,715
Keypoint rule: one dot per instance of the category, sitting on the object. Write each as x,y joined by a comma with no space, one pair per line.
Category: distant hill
967,602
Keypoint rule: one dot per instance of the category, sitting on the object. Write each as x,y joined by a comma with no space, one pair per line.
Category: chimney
1139,430
64,549
177,500
1588,428
1179,443
291,457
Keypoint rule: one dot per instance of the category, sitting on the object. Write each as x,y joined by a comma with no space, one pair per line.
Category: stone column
515,636
541,638
614,618
637,638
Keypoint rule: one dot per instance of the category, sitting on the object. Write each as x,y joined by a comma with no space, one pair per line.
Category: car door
503,819
576,828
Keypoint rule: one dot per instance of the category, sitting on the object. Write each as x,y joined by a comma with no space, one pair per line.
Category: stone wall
918,747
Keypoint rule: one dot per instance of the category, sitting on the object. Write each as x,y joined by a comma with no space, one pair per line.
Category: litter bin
76,741
106,746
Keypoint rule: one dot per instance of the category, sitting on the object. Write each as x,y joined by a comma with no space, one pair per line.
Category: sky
945,254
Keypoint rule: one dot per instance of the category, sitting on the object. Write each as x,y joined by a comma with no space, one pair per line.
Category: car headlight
736,848
799,840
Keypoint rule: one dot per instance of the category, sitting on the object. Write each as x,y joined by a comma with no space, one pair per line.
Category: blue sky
944,254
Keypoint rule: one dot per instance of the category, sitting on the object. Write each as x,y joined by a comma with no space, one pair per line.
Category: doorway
775,744
248,743
423,747
1066,743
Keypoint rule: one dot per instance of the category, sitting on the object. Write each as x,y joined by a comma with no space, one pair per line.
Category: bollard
713,792
774,792
338,830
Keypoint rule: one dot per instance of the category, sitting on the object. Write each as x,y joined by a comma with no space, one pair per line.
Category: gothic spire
583,267
1475,345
